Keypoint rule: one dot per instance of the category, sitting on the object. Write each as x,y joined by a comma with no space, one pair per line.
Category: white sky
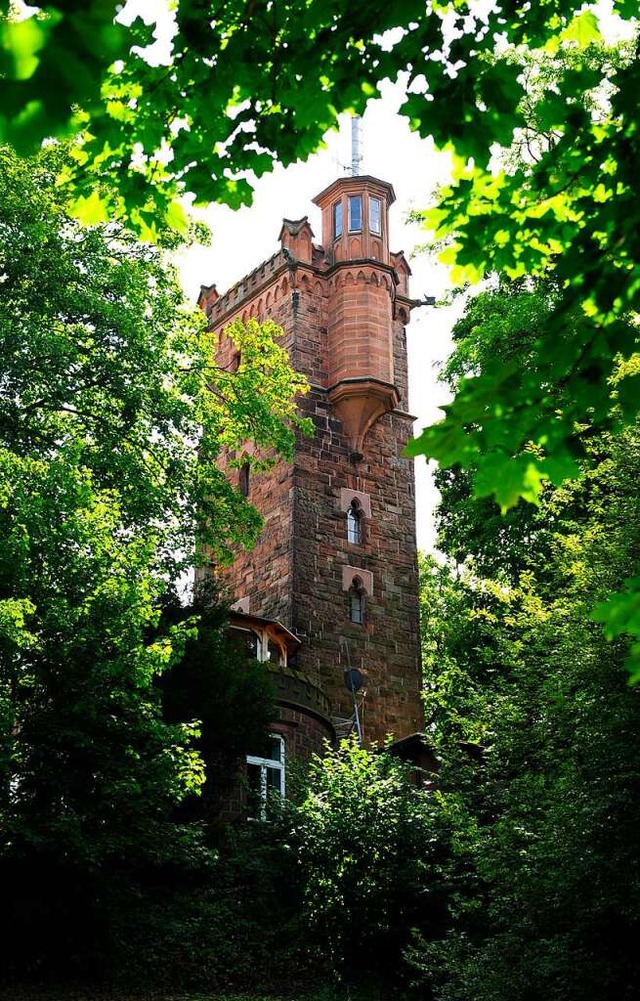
242,239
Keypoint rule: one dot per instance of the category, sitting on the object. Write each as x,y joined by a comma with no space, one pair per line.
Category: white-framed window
258,645
355,213
354,523
245,640
337,220
266,777
375,215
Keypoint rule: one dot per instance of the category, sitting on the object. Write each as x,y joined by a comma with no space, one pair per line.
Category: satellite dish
353,679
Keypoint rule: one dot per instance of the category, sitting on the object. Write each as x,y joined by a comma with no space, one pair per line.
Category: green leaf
621,612
20,43
582,29
176,217
628,393
509,479
90,210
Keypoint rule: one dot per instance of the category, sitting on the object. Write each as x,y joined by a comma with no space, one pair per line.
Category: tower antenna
356,142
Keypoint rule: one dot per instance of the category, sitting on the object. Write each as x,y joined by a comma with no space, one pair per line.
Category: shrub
367,851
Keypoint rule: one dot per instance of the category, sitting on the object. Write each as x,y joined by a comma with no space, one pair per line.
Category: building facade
336,564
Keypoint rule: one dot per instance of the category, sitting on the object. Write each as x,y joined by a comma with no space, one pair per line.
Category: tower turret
360,365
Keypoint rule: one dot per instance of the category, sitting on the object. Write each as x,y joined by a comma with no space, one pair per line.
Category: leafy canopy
530,711
243,86
534,724
540,118
562,207
106,497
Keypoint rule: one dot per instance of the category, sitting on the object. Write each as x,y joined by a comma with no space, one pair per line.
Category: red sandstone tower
336,563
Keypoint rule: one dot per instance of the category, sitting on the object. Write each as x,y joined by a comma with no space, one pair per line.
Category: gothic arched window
356,601
354,523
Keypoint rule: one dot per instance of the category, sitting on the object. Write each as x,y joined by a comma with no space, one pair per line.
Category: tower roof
355,184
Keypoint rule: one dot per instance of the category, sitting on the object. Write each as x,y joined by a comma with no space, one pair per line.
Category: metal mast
356,138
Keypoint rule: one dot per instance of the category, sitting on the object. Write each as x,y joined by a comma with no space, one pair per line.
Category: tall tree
112,414
536,727
243,86
540,117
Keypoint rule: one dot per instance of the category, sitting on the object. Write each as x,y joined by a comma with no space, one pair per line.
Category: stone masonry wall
296,571
264,574
386,648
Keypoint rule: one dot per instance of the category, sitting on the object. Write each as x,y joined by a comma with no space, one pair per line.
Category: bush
368,852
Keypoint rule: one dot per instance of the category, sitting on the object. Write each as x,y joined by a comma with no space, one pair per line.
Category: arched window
356,601
354,523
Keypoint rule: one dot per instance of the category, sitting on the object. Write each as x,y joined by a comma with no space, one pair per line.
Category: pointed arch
356,596
355,523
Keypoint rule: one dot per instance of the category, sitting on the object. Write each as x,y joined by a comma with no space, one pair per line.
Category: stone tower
336,563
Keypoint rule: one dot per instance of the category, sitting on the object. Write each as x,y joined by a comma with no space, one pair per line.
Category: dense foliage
229,693
108,386
329,892
106,390
368,849
538,112
536,725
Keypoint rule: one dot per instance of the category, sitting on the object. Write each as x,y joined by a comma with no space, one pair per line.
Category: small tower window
243,482
356,601
354,523
375,215
337,220
355,213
